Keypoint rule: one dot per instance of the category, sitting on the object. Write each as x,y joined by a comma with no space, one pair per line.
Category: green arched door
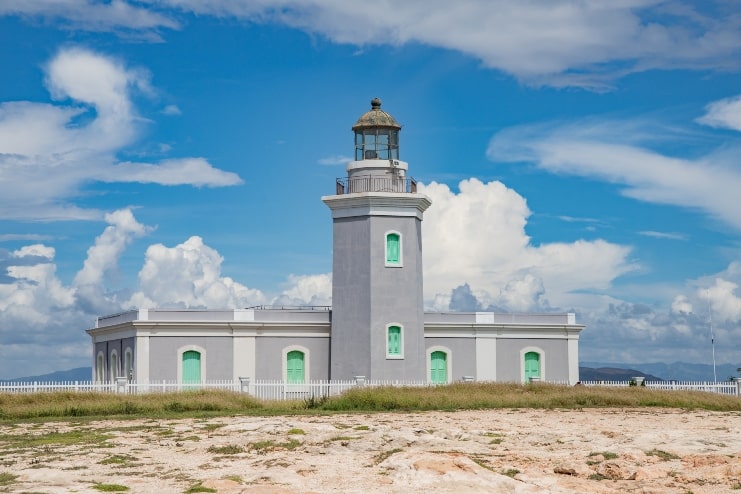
191,367
438,367
295,366
532,365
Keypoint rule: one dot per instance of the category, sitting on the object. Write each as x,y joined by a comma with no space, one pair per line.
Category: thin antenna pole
712,336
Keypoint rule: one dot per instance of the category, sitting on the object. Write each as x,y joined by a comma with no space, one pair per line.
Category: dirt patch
515,451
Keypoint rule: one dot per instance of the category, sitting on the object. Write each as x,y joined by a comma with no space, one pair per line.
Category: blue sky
581,156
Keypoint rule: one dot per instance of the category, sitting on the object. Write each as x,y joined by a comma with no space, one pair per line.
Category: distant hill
78,374
612,374
677,371
588,371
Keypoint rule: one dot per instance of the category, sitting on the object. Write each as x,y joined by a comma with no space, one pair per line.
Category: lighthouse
377,328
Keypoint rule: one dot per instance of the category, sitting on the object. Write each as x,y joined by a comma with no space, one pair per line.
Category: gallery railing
376,184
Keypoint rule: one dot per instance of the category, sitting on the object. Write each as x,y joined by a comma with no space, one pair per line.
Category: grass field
462,396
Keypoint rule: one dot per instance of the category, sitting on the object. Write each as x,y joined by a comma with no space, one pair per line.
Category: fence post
738,386
121,384
244,384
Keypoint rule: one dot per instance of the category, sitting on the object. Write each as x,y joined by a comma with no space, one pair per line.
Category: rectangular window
394,341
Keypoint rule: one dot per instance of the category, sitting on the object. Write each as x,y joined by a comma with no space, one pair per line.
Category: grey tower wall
367,296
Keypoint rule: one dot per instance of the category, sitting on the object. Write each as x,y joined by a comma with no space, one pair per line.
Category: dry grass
473,396
65,404
461,396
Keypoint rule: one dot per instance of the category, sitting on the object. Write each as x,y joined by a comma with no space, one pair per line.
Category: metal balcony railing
376,184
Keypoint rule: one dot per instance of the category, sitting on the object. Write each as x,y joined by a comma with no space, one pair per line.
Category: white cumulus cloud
306,290
477,237
104,254
189,275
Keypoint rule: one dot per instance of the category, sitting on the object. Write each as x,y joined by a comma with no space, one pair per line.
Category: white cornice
503,331
212,328
377,204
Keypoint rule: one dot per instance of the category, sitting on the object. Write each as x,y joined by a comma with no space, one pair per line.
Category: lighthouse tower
377,307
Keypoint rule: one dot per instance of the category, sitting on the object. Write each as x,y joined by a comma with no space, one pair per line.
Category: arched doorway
295,369
191,367
532,365
438,367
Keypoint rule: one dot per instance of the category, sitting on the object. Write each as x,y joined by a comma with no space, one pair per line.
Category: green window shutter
393,242
394,340
295,366
438,368
191,367
532,365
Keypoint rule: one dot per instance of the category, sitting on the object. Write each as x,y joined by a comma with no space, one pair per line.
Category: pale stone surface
508,451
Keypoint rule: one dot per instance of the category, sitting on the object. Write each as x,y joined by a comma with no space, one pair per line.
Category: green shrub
110,487
664,455
7,478
199,488
231,449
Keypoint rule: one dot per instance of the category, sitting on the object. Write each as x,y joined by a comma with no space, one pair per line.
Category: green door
532,365
438,368
191,367
295,363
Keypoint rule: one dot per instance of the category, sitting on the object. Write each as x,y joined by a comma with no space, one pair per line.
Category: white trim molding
377,204
541,361
189,348
307,361
448,361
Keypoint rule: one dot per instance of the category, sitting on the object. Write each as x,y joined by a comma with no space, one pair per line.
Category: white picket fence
281,390
262,389
720,387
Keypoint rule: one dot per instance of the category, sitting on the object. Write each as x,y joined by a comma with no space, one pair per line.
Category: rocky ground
503,451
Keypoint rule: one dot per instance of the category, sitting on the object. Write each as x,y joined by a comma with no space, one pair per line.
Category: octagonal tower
377,306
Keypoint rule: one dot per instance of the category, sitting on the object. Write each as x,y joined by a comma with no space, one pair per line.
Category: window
376,143
100,368
393,249
438,367
394,342
191,370
295,366
128,363
532,365
114,365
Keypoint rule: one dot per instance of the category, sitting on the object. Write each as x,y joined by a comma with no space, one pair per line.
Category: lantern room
376,135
